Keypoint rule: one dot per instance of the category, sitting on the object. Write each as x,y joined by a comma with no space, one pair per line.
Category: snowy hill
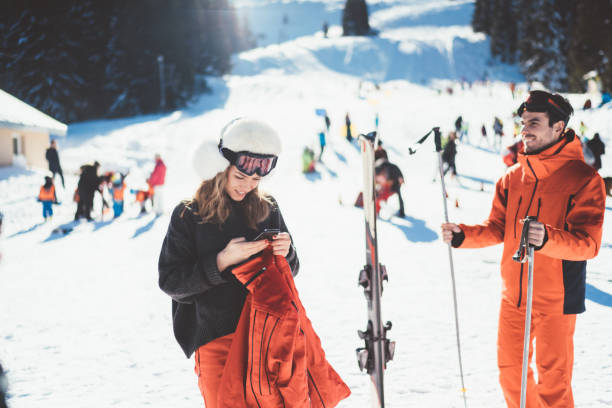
84,323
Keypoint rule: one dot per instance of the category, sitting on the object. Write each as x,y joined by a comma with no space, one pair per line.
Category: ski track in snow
85,324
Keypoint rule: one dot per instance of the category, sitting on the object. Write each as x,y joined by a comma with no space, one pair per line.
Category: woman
213,232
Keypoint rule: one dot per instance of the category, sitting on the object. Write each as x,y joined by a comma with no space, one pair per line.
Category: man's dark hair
556,106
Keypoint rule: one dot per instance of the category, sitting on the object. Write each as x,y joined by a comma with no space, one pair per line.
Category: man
89,183
449,154
550,181
380,153
54,163
598,148
389,179
156,182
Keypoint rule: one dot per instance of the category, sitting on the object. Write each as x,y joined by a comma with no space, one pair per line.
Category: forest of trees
555,42
84,59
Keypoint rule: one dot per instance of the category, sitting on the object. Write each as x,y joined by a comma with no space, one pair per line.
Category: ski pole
525,254
414,147
438,141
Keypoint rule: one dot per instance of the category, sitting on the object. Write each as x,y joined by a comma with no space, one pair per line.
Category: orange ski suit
47,195
275,358
568,197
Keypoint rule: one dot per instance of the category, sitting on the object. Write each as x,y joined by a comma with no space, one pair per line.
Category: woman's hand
281,244
238,250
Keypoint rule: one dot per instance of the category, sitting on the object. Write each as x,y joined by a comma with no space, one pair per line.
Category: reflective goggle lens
250,165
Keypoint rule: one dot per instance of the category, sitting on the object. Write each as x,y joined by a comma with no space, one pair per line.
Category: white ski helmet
239,135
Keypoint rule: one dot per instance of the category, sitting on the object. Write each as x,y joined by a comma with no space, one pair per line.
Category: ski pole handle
521,252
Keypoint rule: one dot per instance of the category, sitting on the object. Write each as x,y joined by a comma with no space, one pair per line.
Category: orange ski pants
209,363
554,343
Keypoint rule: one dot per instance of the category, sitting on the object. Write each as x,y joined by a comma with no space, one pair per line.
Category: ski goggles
250,163
542,102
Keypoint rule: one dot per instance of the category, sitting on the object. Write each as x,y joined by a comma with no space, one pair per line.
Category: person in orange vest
142,196
117,191
47,197
552,183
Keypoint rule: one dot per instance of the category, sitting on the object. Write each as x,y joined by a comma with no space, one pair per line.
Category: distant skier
510,153
308,160
598,148
212,264
465,127
567,232
322,143
142,196
498,128
117,191
89,183
380,153
458,124
587,105
156,181
325,29
52,157
389,180
449,154
3,380
47,197
582,129
483,132
347,121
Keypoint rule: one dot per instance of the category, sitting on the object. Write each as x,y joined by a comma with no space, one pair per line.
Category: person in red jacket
510,153
156,182
553,183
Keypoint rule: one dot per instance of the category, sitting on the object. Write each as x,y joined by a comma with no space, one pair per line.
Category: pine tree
503,31
481,19
543,42
590,47
355,18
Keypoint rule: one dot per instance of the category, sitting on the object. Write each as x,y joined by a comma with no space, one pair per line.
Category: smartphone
267,234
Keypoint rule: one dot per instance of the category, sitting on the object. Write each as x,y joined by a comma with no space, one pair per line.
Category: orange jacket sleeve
582,237
491,231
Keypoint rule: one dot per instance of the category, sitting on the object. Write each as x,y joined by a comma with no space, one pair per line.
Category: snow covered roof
18,114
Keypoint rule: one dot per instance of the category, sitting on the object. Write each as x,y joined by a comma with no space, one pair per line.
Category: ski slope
83,322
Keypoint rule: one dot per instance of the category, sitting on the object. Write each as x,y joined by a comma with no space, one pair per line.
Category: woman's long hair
214,206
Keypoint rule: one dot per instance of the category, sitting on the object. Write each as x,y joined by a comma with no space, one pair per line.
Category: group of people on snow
90,183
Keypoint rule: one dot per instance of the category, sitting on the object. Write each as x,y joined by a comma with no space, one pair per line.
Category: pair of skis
379,350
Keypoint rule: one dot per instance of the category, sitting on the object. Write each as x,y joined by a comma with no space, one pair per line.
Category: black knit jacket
206,302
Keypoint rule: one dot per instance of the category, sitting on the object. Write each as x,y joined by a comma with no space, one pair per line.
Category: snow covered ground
83,322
